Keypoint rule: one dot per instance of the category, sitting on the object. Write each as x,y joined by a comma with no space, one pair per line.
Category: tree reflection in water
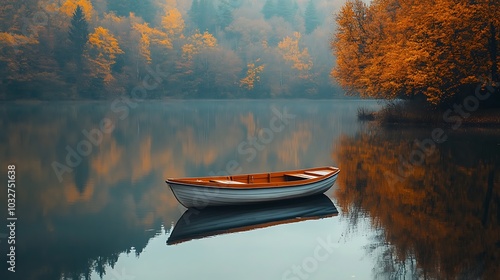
438,221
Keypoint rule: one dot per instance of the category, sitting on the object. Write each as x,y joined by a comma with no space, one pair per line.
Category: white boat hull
192,196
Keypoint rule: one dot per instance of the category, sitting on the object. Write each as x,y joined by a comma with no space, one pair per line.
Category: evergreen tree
286,9
194,13
203,15
225,14
311,17
78,33
207,16
269,9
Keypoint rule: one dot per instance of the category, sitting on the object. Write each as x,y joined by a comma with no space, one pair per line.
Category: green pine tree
311,17
78,34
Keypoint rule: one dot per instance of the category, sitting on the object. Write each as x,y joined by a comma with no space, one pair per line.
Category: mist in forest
102,49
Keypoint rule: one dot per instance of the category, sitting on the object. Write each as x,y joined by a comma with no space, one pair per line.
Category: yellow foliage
112,17
173,22
253,75
69,7
291,52
102,52
151,35
198,42
206,39
11,40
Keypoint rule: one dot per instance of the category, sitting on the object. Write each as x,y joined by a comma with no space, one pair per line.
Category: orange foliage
10,39
69,7
397,49
173,22
433,212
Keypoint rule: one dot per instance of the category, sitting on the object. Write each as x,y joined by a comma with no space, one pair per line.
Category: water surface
92,202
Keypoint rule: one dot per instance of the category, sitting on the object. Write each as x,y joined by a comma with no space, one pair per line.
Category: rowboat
214,221
201,192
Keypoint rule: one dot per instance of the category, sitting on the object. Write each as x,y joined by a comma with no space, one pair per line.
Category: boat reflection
197,224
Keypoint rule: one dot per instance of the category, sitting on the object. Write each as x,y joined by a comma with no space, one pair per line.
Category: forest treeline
432,50
92,49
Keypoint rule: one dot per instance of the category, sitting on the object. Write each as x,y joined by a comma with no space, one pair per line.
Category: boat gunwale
252,186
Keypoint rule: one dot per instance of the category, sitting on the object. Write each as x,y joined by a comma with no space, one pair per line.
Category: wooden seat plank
301,175
318,172
226,182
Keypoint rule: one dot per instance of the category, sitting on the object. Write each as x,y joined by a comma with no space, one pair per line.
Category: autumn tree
69,7
425,205
292,52
435,50
78,34
102,53
153,37
46,46
253,75
349,46
14,63
197,42
173,23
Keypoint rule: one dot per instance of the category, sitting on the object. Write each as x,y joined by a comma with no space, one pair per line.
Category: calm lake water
91,201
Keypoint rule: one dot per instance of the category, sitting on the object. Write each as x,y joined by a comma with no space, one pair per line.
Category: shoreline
389,117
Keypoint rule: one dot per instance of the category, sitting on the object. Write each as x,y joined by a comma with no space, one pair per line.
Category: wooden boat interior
277,179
